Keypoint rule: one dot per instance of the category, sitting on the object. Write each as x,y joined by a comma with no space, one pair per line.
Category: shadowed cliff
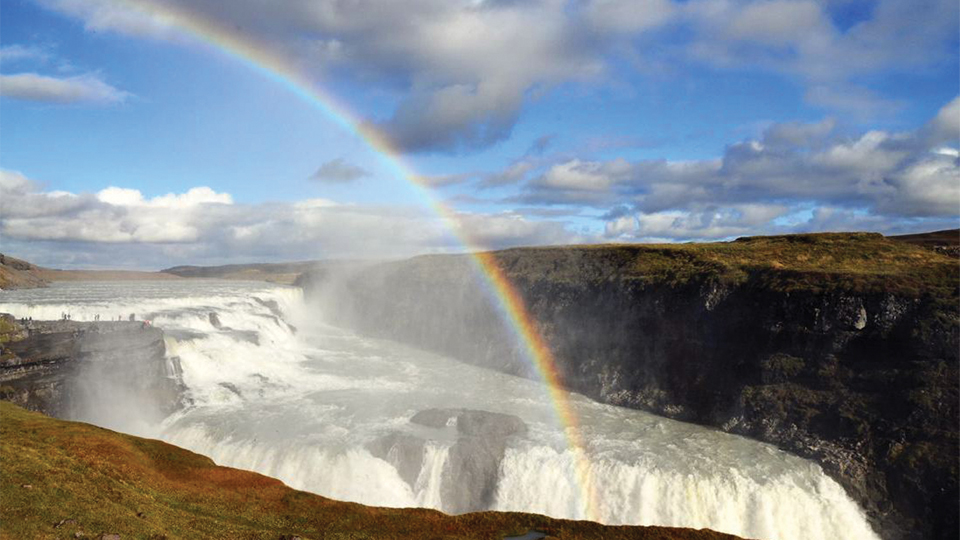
114,372
842,348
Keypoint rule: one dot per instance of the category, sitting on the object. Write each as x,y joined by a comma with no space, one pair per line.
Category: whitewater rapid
275,390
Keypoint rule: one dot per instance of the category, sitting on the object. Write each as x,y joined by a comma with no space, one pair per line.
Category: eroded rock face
63,368
472,469
473,464
403,451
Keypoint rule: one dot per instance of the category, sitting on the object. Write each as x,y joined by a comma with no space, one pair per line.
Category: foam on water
305,407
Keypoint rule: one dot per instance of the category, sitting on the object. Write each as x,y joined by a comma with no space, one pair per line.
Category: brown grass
861,262
95,481
101,275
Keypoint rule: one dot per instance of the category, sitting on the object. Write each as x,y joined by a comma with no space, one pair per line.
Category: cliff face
838,348
72,369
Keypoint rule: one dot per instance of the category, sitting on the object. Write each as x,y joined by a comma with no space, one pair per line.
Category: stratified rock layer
839,348
63,368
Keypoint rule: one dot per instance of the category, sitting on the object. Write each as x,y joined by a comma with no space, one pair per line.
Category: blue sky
127,141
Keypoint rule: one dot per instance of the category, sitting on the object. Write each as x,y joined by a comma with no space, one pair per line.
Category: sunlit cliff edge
72,480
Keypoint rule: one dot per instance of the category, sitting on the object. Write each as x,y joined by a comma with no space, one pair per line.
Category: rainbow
281,70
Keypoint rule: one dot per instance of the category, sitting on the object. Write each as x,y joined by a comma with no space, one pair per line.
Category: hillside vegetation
66,479
867,260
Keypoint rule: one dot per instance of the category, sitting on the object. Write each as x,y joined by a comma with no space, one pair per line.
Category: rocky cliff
106,371
841,348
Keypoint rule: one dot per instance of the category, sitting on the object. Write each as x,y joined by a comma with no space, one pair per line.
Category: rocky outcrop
72,369
215,320
472,467
835,348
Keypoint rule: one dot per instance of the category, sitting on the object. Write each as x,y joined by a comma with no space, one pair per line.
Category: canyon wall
87,370
839,348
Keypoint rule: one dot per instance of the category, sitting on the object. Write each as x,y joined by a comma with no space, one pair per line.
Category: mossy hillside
61,478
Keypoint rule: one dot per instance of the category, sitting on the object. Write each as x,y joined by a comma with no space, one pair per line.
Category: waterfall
273,390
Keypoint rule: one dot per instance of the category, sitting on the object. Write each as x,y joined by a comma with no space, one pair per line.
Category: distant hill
946,242
284,273
18,274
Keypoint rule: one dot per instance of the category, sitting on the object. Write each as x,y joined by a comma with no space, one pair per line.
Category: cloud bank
795,177
204,226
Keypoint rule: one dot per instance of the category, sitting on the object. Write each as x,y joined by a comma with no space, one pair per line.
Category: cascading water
272,389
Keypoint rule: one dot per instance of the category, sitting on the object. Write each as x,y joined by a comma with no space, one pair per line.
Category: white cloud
928,186
945,126
78,89
204,226
585,176
193,197
897,178
13,183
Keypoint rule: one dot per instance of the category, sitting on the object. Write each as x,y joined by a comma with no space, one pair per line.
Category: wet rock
434,418
272,305
403,451
472,423
861,322
232,388
215,320
472,470
489,425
